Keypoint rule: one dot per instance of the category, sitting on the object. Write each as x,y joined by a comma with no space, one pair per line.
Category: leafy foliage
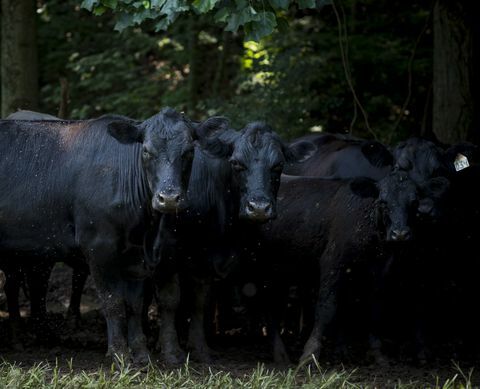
293,78
258,18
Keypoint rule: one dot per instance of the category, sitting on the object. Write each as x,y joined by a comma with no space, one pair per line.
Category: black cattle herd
163,209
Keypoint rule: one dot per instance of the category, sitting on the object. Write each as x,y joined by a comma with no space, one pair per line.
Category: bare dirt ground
86,347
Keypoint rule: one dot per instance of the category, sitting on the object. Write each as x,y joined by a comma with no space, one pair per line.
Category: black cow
236,186
450,233
39,274
30,115
342,156
324,228
95,190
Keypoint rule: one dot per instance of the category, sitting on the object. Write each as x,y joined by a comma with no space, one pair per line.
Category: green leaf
172,8
124,20
256,30
157,3
306,4
89,4
246,15
282,24
110,3
279,4
162,25
100,10
205,5
222,15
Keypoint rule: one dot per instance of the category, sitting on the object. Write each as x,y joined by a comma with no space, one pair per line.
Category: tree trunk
453,78
193,65
19,56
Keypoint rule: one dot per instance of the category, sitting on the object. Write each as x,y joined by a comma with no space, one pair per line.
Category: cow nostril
268,207
161,199
400,234
250,206
176,198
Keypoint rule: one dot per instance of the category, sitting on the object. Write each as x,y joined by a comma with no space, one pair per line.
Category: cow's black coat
93,190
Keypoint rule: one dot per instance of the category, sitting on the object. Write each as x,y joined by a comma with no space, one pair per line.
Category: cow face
167,144
397,202
421,159
257,156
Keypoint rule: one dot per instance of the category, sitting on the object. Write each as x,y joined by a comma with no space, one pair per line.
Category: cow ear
377,154
364,187
211,127
125,132
215,138
436,186
299,151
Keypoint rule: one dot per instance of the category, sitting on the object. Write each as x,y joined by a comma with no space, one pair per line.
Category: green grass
44,375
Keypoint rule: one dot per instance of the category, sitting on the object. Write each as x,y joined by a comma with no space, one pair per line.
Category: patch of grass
44,375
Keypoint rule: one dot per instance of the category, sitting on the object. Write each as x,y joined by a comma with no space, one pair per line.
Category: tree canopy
257,18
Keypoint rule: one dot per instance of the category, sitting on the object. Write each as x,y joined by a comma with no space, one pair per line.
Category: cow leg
325,309
377,304
79,278
137,341
168,299
276,303
111,299
197,342
37,278
12,289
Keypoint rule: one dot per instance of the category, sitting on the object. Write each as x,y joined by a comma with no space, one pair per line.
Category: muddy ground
86,346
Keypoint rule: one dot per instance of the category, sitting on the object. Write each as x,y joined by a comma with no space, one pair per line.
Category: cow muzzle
400,235
259,210
167,202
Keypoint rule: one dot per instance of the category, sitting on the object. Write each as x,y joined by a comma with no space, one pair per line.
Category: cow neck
136,192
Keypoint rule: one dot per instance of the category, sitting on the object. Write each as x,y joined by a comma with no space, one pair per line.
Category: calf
341,156
324,227
95,191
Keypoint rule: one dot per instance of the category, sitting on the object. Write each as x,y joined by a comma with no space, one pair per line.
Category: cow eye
237,165
278,167
146,154
188,154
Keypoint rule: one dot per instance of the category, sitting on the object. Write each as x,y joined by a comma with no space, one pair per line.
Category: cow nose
168,201
165,199
401,235
259,209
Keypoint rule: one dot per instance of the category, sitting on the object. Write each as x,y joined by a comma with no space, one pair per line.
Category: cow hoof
73,321
141,360
118,358
177,358
17,346
281,359
379,358
203,356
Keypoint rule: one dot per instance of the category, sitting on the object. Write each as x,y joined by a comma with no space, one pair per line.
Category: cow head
421,159
257,156
397,202
167,144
